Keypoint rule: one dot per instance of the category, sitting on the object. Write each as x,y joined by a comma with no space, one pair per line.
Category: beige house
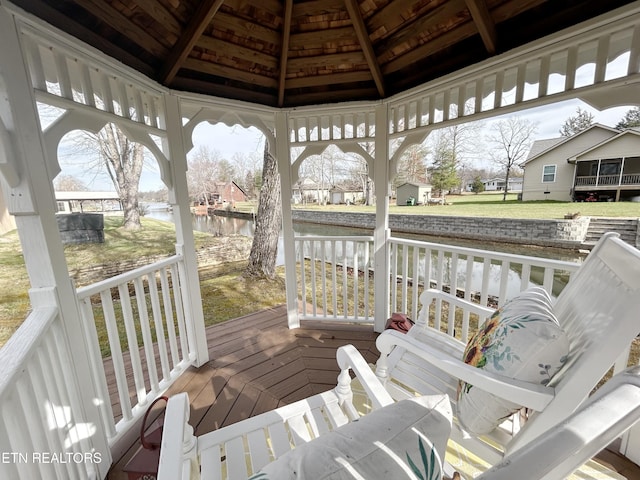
599,163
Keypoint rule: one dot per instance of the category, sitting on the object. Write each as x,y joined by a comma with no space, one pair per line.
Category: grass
491,205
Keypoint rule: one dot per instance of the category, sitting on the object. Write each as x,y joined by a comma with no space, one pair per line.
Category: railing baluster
345,301
334,278
132,340
161,338
116,354
323,253
147,341
416,282
179,307
168,316
405,276
504,280
314,302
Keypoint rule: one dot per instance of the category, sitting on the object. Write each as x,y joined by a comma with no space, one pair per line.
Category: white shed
420,192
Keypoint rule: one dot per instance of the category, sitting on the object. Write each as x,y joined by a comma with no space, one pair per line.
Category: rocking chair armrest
349,357
527,394
431,294
174,460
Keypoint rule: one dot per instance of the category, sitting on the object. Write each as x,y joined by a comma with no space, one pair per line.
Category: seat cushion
521,340
407,439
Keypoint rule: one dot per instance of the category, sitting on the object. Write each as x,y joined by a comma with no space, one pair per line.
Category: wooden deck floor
258,364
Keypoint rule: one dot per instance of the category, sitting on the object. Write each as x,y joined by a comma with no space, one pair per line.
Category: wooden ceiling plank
229,72
286,32
122,24
317,7
231,50
198,22
450,14
329,79
324,61
244,28
427,49
363,37
156,10
321,37
486,27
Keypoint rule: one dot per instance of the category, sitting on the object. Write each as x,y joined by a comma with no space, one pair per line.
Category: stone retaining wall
568,233
225,249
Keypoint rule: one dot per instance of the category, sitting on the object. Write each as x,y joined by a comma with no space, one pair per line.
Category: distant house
420,192
346,195
307,190
228,192
599,163
497,184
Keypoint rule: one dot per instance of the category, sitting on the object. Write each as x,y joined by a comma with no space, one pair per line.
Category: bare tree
69,183
412,165
511,139
124,160
202,173
264,249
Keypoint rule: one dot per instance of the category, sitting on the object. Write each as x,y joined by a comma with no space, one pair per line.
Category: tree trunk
262,260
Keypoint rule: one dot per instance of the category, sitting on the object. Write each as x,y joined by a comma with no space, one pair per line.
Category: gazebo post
381,233
28,189
283,157
185,243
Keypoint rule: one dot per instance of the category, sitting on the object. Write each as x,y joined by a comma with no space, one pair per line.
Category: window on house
549,173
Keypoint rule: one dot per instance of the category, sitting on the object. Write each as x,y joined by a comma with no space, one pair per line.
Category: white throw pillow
521,340
407,439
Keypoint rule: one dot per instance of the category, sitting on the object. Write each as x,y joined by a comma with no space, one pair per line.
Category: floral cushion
521,340
407,439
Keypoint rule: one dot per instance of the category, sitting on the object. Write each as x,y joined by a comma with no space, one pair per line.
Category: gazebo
371,77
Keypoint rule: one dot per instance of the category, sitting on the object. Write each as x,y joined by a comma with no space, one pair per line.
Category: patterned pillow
407,439
522,340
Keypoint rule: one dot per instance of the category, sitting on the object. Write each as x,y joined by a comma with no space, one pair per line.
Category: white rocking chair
598,309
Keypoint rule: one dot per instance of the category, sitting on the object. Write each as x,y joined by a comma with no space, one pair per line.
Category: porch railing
42,432
608,180
139,339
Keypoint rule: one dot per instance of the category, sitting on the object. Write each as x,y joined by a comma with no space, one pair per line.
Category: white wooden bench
598,309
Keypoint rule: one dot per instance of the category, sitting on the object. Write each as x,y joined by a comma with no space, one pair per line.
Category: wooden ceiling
289,53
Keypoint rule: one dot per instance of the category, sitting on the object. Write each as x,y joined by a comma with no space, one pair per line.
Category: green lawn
492,205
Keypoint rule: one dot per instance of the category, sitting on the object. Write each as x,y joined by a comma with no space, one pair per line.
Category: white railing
42,432
490,278
136,321
333,276
332,291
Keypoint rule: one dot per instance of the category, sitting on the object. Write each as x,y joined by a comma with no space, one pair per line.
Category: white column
30,198
283,156
381,233
185,245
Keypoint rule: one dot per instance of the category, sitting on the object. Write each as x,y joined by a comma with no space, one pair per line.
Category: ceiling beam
486,27
199,21
286,32
367,48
